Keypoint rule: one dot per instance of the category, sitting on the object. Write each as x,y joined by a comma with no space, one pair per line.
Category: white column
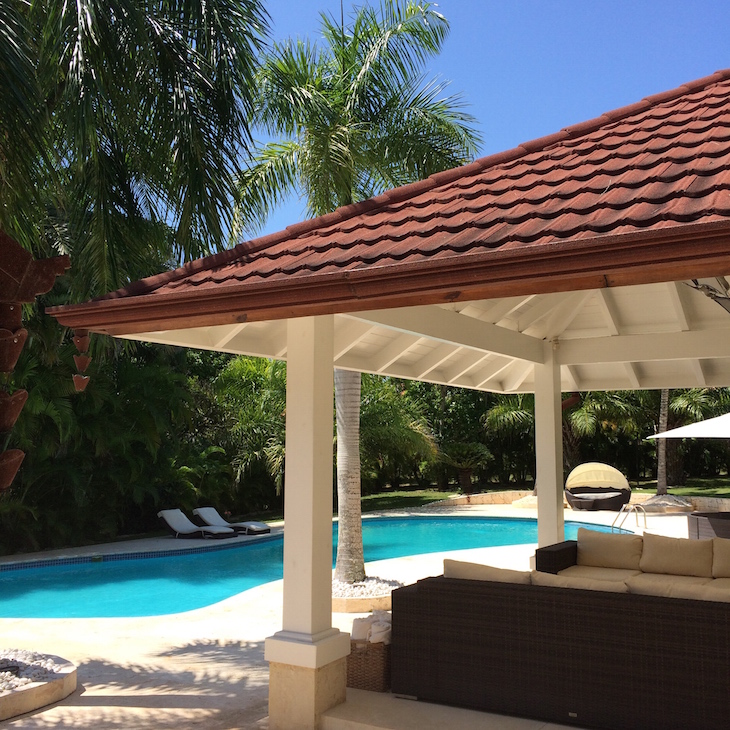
307,656
549,449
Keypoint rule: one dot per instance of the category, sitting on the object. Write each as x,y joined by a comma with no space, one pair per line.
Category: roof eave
669,254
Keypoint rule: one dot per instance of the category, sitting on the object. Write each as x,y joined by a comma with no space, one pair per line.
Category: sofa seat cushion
568,581
667,586
478,571
592,573
676,556
609,550
720,557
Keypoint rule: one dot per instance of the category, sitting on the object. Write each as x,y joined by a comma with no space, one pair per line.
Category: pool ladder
626,510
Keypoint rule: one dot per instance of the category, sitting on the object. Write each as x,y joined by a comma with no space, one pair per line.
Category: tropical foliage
122,129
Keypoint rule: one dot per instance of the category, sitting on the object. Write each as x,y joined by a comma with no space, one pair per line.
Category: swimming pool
153,585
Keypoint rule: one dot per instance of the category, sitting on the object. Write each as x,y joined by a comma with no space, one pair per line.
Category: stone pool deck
206,668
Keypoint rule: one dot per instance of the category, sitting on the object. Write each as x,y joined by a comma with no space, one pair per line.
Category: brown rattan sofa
591,658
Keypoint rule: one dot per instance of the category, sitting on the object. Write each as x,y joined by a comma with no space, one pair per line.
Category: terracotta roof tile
662,162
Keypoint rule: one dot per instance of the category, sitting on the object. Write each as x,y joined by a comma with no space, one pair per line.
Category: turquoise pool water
154,586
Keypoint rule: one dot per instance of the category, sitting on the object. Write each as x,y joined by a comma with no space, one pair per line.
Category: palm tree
122,128
353,118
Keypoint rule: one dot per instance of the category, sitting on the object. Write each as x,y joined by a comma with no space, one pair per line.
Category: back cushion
609,550
720,557
676,556
477,571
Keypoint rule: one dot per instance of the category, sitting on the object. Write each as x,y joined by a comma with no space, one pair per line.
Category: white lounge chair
210,516
180,526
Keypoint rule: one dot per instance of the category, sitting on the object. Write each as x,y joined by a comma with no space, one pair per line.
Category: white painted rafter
393,352
348,334
437,357
444,326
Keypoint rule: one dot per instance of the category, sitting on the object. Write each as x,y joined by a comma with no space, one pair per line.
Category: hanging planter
11,316
82,362
11,343
10,408
10,462
82,341
80,382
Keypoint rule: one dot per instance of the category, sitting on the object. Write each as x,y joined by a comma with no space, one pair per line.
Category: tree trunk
661,447
350,563
465,480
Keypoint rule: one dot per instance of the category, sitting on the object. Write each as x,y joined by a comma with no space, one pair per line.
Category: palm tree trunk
350,563
661,449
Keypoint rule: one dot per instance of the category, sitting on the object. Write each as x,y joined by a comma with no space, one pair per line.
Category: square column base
299,695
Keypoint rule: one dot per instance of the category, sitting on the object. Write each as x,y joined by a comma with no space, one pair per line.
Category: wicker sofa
512,643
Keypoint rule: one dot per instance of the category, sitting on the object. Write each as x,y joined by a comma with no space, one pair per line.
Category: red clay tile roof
636,195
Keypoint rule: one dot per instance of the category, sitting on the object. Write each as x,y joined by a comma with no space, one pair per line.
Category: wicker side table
368,666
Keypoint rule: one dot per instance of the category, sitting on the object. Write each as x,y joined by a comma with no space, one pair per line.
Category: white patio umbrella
711,428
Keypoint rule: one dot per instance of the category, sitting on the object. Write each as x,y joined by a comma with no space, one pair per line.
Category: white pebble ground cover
369,588
31,667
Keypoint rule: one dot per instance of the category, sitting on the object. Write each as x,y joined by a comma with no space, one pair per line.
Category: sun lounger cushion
477,571
588,584
609,550
676,556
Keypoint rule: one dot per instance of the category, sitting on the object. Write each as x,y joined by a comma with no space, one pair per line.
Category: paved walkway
206,668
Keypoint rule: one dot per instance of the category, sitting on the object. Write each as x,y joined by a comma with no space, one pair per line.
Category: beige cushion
668,586
676,556
477,571
589,571
720,557
717,590
609,550
586,584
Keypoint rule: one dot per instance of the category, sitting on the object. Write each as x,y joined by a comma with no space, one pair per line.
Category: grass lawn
402,499
407,498
695,487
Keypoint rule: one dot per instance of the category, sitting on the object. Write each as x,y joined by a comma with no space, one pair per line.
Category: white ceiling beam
647,347
221,335
570,377
698,372
515,376
560,318
457,329
502,308
437,357
392,351
608,310
462,365
489,371
348,333
541,309
632,375
197,339
675,297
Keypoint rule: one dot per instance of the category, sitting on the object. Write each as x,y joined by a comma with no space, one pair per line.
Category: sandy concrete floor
206,667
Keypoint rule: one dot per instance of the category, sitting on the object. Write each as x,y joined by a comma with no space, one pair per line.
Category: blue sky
527,68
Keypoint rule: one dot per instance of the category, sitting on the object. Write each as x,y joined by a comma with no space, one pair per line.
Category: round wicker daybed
595,486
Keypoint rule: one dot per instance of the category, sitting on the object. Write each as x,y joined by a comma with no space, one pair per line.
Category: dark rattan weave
588,658
706,525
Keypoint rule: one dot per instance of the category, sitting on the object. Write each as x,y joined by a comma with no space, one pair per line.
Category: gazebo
592,259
